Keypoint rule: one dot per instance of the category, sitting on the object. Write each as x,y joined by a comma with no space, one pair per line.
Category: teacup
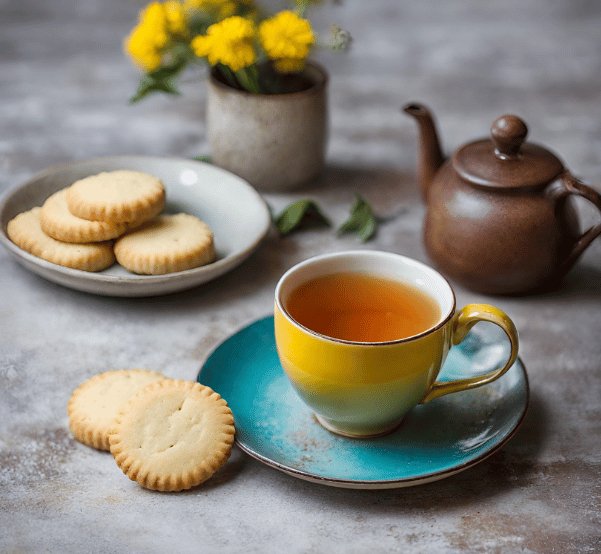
364,389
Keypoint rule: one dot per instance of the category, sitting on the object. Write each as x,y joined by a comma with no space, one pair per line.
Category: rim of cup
443,293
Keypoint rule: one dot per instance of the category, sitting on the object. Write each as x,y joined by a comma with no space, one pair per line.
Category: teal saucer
434,441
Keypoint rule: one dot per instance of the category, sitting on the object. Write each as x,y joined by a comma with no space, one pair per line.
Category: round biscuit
166,244
173,435
60,224
117,197
94,405
26,232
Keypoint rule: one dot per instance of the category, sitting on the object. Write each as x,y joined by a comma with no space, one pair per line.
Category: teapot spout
430,156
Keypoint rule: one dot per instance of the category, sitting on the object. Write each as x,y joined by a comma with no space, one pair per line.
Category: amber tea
361,307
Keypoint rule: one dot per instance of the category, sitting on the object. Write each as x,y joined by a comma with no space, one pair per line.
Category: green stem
229,75
254,74
301,7
248,80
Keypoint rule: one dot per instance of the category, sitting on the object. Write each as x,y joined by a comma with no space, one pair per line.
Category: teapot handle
571,185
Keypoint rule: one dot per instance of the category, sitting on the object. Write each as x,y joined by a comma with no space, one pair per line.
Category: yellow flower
219,9
287,40
148,37
229,42
157,22
175,16
141,50
152,21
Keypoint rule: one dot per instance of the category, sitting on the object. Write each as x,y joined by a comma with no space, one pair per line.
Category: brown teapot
499,215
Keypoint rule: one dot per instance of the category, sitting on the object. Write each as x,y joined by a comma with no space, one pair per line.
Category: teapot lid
505,160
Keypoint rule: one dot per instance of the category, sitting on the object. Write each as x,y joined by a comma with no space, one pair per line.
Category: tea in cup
362,336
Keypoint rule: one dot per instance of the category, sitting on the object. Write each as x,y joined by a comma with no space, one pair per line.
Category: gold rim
438,326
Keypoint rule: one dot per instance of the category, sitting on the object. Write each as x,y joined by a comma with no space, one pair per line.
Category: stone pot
275,141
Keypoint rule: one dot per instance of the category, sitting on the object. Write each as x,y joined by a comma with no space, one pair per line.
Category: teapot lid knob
508,132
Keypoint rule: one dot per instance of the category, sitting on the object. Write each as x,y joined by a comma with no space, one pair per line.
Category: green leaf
149,84
161,80
361,220
298,213
206,159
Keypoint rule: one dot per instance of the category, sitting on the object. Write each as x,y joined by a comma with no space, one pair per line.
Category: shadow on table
232,470
513,467
583,280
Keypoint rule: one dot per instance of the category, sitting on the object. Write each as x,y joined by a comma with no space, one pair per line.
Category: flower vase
276,142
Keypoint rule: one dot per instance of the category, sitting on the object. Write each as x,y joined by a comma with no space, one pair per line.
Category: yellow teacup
360,389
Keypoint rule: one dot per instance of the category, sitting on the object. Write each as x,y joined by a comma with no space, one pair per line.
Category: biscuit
25,231
166,244
94,405
117,197
60,224
172,435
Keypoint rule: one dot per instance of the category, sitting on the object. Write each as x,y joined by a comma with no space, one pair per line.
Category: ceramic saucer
434,441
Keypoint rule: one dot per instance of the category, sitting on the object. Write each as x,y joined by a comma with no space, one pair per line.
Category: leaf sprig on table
300,213
306,212
361,220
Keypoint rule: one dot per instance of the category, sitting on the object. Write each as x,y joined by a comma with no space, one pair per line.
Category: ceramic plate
434,441
235,211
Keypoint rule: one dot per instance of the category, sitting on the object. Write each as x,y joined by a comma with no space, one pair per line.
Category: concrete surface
63,89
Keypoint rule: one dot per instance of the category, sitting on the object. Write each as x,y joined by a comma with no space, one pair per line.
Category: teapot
499,217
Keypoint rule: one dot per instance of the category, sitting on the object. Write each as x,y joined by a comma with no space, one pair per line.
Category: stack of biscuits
76,227
166,434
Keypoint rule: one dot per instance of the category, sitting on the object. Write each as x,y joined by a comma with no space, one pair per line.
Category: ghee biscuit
117,197
94,405
172,435
60,224
26,232
166,244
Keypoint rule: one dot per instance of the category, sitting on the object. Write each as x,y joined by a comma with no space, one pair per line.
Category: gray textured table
63,90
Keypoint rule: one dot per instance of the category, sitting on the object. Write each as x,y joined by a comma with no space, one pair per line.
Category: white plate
235,211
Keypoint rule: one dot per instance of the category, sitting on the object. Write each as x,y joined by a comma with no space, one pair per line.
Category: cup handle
462,323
